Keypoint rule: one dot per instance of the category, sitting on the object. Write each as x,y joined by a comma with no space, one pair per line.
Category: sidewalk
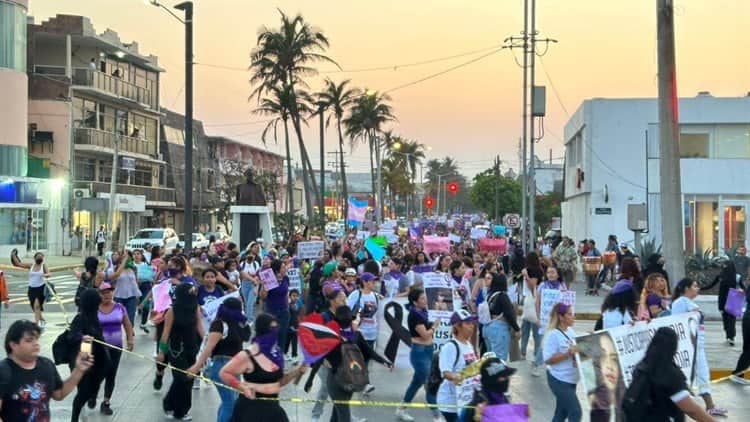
54,262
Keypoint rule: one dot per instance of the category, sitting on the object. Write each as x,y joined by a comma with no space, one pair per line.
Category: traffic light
453,187
429,202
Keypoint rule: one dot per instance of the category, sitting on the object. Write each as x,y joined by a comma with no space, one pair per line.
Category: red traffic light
429,202
453,187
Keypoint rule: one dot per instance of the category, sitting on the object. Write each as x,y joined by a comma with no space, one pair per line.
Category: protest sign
499,230
439,291
426,268
384,332
295,279
498,246
551,297
454,238
436,244
608,358
478,233
391,237
310,250
269,279
362,234
209,309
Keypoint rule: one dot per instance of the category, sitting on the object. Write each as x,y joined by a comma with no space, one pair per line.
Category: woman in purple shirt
277,299
113,318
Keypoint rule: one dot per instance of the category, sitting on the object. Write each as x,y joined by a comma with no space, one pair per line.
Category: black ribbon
398,332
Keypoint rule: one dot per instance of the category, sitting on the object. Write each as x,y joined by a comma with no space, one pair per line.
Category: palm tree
337,99
277,102
284,56
366,119
411,154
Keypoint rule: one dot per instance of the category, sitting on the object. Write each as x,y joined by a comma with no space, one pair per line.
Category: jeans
291,340
538,358
144,287
283,316
450,417
528,327
227,396
247,290
421,359
130,305
322,392
497,337
729,322
566,401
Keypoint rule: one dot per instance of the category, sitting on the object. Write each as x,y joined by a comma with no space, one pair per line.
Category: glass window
84,113
732,141
174,136
735,226
12,36
694,145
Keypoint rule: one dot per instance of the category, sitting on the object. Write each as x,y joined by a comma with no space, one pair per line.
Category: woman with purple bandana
262,369
277,299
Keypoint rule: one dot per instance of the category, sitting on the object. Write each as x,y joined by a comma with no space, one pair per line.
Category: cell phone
86,346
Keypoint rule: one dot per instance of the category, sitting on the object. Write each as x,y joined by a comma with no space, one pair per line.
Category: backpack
636,402
483,310
61,350
436,377
352,375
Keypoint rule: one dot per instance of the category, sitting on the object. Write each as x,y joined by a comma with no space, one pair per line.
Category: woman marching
183,331
226,334
262,369
559,354
113,318
123,278
37,283
90,278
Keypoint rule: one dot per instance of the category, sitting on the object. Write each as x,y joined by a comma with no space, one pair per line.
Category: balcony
102,138
114,85
152,194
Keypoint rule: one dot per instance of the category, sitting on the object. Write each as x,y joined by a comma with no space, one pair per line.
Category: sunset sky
607,48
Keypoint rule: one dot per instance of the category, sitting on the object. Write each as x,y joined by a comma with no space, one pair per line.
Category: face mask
39,260
173,272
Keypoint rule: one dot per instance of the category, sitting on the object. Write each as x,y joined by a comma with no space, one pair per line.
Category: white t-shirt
368,307
615,318
101,237
556,342
391,285
683,305
447,393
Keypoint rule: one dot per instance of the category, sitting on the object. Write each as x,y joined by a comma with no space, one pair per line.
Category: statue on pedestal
251,193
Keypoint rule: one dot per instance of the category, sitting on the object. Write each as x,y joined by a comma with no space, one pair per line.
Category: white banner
551,297
209,310
478,233
295,279
609,357
310,250
454,238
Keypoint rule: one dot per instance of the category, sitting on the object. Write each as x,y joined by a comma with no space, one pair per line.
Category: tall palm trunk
372,164
290,190
344,189
307,170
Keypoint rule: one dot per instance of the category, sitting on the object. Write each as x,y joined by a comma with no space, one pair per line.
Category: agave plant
701,266
648,248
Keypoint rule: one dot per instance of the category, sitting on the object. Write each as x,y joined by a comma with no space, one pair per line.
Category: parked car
199,241
163,237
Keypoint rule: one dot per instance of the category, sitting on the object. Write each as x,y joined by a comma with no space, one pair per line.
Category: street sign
512,220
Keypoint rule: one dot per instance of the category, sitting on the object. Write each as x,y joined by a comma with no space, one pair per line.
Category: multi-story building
612,160
104,95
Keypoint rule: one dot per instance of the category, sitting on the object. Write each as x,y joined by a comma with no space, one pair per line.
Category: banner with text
551,297
310,250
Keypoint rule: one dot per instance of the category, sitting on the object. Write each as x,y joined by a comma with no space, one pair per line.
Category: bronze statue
251,193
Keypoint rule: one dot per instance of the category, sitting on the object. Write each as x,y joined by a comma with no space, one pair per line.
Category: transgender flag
357,210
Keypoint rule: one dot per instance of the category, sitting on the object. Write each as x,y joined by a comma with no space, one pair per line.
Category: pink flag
437,244
357,210
498,246
160,293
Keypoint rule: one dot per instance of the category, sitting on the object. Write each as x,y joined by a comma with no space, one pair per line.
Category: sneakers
144,328
369,388
739,380
105,409
535,370
187,417
403,416
91,403
158,381
717,411
42,324
356,419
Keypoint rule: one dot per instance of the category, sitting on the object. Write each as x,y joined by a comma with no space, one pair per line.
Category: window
12,36
84,113
701,225
174,135
694,145
85,169
732,141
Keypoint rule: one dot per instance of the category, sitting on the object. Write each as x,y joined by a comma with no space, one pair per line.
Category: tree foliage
483,193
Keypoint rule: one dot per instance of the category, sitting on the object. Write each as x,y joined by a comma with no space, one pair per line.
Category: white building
547,176
612,160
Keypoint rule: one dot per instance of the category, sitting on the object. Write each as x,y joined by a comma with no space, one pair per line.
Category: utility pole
113,183
379,209
531,183
187,7
322,204
669,143
497,196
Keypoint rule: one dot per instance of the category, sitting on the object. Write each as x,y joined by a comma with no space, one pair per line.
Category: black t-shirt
229,345
413,320
667,381
26,392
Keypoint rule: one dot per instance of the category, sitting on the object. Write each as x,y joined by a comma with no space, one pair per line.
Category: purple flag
506,413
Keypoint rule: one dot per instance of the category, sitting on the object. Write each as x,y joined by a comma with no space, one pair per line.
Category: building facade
89,94
612,160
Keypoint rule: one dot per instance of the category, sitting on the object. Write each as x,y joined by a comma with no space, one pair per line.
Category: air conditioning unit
81,193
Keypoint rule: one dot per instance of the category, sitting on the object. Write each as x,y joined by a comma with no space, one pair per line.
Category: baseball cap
462,315
367,277
350,272
105,286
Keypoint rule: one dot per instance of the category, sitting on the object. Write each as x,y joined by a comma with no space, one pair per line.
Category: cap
622,286
105,286
462,316
494,367
350,272
367,277
329,268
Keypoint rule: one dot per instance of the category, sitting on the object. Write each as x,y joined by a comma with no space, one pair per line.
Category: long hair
185,305
499,284
554,318
628,268
623,302
662,348
680,288
650,287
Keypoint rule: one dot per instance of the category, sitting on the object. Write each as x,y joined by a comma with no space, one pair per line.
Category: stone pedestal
249,223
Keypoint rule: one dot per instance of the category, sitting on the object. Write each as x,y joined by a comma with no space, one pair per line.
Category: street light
187,7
